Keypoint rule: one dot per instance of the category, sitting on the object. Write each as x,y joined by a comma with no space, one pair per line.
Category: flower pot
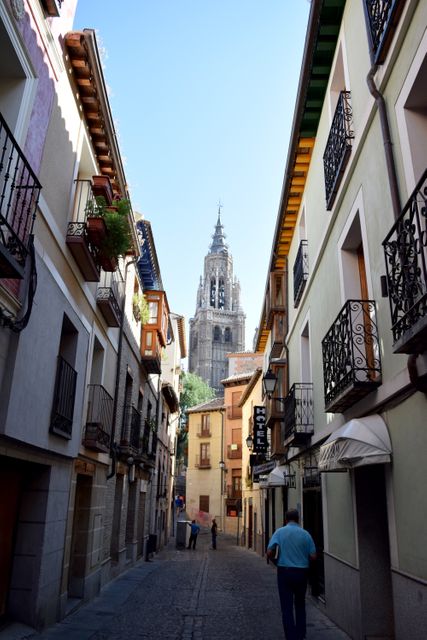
101,186
107,263
96,230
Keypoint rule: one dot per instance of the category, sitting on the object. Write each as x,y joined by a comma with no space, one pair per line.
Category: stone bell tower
218,326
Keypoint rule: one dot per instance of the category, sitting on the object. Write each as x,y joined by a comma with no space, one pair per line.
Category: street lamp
222,465
269,382
249,442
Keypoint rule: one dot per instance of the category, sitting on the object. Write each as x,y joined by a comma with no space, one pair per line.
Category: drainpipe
388,145
113,446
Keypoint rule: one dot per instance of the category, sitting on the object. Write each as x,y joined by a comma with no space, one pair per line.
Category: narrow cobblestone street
187,595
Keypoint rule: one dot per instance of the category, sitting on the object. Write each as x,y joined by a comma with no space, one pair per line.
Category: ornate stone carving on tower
218,326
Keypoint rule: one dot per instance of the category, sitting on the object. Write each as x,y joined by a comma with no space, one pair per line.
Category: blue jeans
292,584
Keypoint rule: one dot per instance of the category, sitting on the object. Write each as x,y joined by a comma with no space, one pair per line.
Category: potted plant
101,186
96,227
140,308
118,238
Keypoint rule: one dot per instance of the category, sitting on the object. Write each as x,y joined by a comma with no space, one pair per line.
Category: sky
203,94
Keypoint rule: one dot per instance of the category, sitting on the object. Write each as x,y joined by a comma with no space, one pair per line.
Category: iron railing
204,431
351,355
19,196
300,271
338,147
63,399
381,17
84,206
298,410
406,261
234,451
203,462
111,290
233,493
99,418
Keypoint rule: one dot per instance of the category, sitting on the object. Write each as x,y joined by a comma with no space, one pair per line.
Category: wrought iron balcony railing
99,419
203,463
351,356
405,249
382,17
145,440
135,428
234,451
338,147
300,271
19,196
204,431
63,399
233,493
81,244
298,413
109,297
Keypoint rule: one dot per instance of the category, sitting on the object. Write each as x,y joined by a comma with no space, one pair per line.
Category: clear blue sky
203,95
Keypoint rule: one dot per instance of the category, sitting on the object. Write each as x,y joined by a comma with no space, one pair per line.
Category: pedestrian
193,534
214,532
296,549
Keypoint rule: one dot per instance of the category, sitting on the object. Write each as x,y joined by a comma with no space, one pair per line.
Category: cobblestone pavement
188,595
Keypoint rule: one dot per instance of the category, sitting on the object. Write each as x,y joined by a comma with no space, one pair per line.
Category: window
204,503
213,293
65,384
305,354
221,294
227,334
217,334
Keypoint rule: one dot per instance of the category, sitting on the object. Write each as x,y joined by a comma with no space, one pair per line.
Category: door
313,523
250,525
10,490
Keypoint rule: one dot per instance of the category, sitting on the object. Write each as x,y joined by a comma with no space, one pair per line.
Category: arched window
227,334
213,292
221,294
217,334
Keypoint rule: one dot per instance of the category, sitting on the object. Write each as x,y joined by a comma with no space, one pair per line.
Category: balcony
82,246
351,356
298,414
233,493
109,297
145,439
274,410
130,442
338,147
278,333
19,195
63,399
276,296
234,451
150,350
406,262
204,431
300,272
382,17
203,463
234,412
99,419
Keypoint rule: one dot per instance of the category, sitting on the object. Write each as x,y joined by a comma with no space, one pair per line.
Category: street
187,595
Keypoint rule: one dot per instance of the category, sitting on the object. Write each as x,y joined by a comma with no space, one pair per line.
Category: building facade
218,326
349,249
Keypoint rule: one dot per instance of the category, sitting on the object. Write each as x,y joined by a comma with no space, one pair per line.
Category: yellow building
205,474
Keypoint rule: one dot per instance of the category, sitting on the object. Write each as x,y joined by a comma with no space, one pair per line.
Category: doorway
80,536
374,552
313,522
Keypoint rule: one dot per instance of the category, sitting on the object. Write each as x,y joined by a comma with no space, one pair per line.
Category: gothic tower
218,326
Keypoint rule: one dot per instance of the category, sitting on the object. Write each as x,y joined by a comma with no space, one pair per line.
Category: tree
194,391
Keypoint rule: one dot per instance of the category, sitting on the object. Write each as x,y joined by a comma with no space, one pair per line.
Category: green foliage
195,391
118,239
141,310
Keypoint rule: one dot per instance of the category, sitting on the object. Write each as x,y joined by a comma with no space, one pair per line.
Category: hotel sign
260,430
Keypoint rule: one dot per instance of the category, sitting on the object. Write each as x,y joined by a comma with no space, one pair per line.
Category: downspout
113,446
388,145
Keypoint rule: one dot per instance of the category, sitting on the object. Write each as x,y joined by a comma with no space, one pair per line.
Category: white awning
359,442
275,478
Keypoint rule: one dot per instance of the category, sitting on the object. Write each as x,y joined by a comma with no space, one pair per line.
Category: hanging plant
141,310
117,239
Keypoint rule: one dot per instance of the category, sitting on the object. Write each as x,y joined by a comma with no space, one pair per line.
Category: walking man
214,532
193,535
296,549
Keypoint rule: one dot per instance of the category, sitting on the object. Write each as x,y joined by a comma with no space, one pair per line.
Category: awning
275,478
359,442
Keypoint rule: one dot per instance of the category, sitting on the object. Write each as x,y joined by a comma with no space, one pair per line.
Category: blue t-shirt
295,546
195,529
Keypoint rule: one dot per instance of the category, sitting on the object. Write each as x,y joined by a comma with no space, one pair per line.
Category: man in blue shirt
193,535
296,549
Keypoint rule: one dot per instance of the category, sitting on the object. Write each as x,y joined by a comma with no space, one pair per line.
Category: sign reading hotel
260,430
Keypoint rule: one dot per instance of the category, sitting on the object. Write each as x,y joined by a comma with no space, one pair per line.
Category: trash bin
152,543
181,534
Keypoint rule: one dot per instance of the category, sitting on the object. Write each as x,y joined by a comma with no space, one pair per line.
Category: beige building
349,247
205,478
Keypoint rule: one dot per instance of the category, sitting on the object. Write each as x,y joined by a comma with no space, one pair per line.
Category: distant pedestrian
296,549
214,532
193,535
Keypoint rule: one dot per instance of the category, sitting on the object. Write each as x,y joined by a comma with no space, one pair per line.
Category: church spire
218,239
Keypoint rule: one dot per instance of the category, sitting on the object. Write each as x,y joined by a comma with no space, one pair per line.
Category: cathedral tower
218,326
